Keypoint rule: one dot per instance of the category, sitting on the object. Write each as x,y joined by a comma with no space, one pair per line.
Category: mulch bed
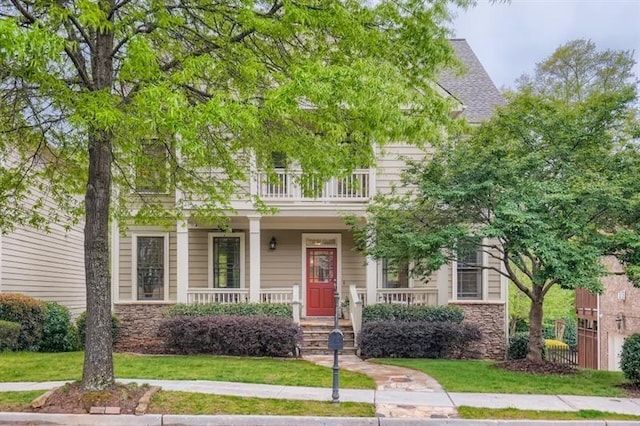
524,366
73,399
632,391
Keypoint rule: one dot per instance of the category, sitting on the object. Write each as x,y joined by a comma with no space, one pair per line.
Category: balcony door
321,281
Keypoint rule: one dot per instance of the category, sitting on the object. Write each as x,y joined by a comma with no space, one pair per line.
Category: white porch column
443,284
182,262
115,262
372,280
254,258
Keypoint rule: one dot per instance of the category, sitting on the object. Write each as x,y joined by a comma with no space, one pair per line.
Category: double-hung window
469,276
226,258
151,266
395,275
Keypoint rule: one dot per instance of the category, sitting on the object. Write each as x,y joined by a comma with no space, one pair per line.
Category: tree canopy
96,91
546,187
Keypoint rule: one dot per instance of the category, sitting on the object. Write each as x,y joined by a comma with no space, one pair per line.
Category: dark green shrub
570,336
58,332
630,359
9,332
519,346
417,339
548,330
81,324
26,311
398,312
279,310
231,335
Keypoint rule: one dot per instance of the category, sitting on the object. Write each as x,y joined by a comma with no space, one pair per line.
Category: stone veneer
139,327
491,319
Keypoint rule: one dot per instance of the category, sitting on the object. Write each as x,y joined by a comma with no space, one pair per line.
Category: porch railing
276,295
409,296
355,311
218,295
286,185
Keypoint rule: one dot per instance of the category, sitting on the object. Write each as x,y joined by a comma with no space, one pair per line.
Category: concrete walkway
401,393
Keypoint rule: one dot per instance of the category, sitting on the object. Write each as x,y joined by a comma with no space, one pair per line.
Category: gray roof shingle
474,89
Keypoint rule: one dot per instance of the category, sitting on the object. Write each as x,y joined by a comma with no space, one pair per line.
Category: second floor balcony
290,186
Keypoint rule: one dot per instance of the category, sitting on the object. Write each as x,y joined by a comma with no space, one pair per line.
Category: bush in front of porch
416,331
279,310
231,335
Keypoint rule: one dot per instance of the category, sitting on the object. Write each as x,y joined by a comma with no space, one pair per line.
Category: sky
510,38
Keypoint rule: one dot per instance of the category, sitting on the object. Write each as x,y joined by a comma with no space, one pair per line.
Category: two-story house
305,252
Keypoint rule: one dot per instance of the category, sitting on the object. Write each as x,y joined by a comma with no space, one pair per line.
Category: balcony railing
286,185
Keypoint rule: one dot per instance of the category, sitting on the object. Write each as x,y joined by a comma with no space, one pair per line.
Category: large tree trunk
536,343
98,358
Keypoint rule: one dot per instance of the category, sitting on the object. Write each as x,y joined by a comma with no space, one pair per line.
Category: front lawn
483,377
41,367
515,414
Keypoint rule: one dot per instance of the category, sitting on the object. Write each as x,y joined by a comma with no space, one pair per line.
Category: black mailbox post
336,343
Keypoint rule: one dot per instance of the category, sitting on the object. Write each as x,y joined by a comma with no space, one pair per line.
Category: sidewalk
401,398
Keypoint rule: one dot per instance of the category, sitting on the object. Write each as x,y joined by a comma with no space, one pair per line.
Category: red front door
321,281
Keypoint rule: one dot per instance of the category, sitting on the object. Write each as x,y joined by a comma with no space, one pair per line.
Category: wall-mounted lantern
273,243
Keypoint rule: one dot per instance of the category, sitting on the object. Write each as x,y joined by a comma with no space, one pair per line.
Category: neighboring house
605,320
45,265
305,251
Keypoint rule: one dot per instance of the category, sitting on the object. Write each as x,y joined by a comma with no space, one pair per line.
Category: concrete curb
193,420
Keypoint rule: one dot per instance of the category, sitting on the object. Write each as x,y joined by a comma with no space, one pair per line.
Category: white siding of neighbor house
391,163
45,265
126,258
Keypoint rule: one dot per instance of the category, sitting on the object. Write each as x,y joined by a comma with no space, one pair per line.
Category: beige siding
126,259
45,265
495,287
392,162
353,264
281,267
198,258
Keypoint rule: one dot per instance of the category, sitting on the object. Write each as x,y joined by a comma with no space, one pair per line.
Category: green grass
17,401
39,367
482,376
197,403
514,414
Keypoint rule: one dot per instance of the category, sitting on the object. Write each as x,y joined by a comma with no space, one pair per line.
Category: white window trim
484,279
211,236
303,274
134,264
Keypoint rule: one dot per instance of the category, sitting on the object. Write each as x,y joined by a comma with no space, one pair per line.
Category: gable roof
474,89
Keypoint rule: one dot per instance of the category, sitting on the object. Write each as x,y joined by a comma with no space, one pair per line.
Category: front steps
316,336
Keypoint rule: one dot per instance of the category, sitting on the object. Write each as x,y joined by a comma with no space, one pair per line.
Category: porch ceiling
300,222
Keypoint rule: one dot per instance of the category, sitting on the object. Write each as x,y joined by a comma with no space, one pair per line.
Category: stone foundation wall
139,327
491,319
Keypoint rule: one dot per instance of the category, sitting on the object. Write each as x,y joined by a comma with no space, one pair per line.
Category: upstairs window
469,276
151,168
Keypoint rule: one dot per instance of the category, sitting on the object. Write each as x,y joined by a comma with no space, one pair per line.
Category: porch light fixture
273,243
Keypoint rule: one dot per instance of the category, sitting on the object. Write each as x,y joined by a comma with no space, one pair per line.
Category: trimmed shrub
519,346
58,332
231,335
26,311
9,332
417,339
630,359
548,330
279,310
554,344
571,332
397,312
81,323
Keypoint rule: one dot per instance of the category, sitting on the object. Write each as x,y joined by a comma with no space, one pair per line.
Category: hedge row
418,339
398,312
279,310
231,335
43,326
9,332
